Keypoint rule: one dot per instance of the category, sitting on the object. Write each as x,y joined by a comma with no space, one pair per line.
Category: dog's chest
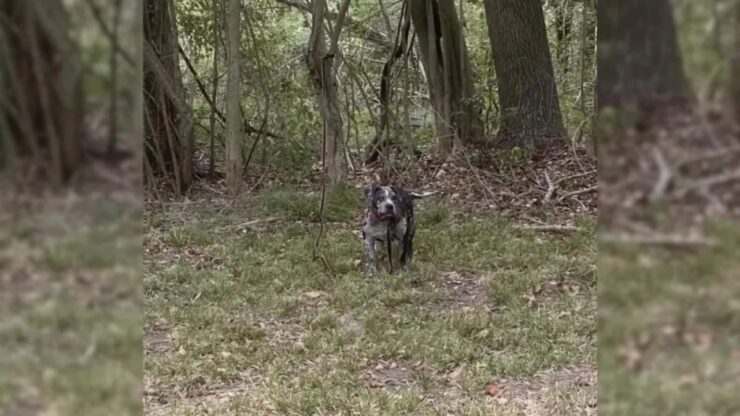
378,231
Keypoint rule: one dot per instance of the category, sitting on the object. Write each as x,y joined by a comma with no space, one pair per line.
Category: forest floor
70,301
669,271
494,317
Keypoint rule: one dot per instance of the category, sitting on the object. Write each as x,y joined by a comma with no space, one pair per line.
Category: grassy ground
240,319
70,306
669,329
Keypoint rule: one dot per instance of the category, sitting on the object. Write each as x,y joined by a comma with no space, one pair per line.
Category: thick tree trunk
168,117
530,111
234,133
321,69
449,72
639,63
43,105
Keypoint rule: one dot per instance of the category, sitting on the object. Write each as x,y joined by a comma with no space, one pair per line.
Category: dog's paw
371,271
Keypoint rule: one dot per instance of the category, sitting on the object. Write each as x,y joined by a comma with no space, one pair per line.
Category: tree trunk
382,137
735,65
234,133
321,69
563,25
449,72
168,117
214,89
530,111
43,104
639,63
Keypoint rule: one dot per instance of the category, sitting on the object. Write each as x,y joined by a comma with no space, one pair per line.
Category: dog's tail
424,194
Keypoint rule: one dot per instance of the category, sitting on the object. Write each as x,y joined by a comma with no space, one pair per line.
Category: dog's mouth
384,216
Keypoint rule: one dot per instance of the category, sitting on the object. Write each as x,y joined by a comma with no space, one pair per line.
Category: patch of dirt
463,289
385,374
535,395
25,408
157,341
201,397
283,332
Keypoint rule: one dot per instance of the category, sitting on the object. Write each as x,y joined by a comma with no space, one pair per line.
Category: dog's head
384,201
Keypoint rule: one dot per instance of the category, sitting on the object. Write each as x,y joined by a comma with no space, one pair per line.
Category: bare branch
371,34
664,176
553,228
666,240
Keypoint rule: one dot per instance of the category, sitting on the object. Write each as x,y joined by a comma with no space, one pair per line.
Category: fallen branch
251,223
553,228
423,194
715,154
664,176
710,181
578,192
667,240
550,188
575,176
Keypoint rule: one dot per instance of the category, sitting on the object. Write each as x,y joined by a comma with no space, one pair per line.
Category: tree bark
563,26
449,73
321,69
43,106
735,65
639,63
214,89
169,120
527,90
234,133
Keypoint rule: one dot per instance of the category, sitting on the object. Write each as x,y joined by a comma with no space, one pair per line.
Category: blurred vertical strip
669,186
71,135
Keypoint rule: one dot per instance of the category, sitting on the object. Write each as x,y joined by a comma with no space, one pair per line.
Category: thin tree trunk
234,133
382,139
137,106
735,65
214,90
527,90
44,105
321,68
169,132
449,72
112,132
563,24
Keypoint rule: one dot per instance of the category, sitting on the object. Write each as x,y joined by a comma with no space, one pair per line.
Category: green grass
248,322
669,329
70,310
342,204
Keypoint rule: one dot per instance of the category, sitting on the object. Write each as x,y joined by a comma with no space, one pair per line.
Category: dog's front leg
371,268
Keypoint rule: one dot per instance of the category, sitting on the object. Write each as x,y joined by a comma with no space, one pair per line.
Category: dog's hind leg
389,243
407,250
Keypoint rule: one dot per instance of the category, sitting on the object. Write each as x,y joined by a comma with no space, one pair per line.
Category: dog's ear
370,190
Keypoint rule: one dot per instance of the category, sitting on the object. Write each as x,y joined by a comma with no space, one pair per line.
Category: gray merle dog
389,217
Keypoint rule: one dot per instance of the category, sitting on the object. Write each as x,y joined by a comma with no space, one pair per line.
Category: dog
389,217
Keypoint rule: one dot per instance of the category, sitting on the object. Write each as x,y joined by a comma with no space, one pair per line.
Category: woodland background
239,135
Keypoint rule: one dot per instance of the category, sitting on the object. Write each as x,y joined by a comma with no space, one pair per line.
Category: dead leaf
455,374
313,295
492,389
